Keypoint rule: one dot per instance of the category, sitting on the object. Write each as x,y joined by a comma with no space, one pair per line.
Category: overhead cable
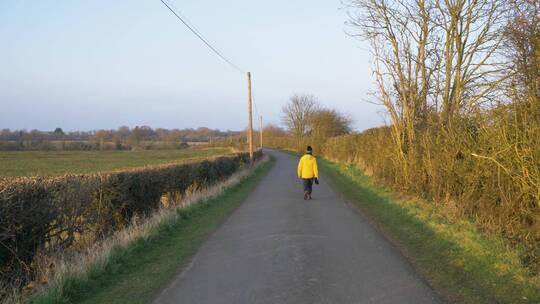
192,28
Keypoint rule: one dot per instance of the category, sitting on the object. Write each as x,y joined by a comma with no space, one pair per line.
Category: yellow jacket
307,167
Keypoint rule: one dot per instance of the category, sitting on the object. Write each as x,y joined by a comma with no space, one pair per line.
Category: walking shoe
306,195
309,196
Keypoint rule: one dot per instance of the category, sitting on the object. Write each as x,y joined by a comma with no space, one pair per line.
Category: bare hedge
486,169
46,215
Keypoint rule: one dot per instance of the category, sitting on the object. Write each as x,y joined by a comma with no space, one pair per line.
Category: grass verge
133,273
464,265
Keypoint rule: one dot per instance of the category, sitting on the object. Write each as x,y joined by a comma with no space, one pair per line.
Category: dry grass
97,256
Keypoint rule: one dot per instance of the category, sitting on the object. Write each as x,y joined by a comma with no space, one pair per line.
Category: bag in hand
316,181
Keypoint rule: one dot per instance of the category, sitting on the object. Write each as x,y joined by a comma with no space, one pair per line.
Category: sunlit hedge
45,215
485,168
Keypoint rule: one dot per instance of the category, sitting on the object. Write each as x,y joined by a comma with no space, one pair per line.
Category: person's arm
315,169
300,167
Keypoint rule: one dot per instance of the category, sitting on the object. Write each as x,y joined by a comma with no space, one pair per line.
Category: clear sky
100,64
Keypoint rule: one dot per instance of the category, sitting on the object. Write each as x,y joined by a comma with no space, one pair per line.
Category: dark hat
309,150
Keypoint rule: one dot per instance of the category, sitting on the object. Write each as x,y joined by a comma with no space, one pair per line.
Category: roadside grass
462,264
29,163
134,273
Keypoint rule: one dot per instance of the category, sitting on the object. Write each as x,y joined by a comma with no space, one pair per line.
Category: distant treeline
122,138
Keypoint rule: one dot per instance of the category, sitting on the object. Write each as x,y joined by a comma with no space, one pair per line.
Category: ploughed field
29,163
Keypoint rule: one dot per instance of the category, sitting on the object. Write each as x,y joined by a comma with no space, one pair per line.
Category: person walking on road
308,172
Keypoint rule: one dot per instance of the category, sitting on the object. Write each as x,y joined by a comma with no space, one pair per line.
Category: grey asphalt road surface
278,248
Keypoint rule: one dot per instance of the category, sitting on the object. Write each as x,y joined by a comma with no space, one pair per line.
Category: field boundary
45,217
461,264
155,248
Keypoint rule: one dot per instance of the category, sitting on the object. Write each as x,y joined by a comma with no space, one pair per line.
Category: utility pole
261,132
250,121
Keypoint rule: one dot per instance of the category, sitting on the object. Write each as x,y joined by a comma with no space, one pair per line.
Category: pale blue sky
84,65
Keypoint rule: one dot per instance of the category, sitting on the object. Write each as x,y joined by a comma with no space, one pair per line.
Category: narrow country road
278,248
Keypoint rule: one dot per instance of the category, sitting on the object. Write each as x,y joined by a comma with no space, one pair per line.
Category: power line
200,36
185,18
197,33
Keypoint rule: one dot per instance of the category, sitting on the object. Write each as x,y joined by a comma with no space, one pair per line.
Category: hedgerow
486,169
44,216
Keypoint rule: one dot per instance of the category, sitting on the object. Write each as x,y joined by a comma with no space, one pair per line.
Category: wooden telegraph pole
261,131
250,121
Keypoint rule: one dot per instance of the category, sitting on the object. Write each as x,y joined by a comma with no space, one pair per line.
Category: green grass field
27,163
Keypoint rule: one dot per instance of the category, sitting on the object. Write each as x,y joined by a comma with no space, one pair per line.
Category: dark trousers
308,185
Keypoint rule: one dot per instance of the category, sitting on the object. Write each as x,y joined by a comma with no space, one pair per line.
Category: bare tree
271,130
471,34
326,123
297,114
430,57
399,34
522,47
